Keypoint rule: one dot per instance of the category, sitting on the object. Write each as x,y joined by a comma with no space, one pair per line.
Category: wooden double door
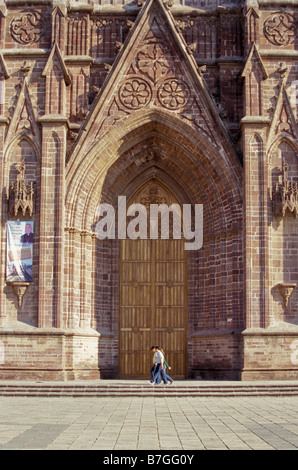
153,299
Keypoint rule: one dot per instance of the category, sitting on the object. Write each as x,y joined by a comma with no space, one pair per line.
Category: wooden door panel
133,272
169,318
135,317
152,303
135,296
152,312
169,297
169,273
136,250
173,251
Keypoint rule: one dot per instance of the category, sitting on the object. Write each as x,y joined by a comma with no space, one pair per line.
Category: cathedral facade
180,103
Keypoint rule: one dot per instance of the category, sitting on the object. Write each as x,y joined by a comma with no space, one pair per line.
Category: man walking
154,361
159,367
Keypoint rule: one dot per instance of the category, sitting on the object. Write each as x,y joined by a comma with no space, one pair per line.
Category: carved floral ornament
280,28
136,93
173,94
152,61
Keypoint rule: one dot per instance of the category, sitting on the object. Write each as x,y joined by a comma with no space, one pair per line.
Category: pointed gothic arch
288,140
23,136
159,146
85,175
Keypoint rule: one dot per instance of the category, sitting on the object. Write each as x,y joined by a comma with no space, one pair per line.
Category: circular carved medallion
280,28
28,27
173,94
135,93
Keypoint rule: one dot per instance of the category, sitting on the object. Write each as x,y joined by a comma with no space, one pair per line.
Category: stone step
164,394
101,390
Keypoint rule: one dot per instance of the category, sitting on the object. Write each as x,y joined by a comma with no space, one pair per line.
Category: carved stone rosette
135,93
173,94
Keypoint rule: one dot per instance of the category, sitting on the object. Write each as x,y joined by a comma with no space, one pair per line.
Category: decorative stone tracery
20,194
152,61
280,28
285,195
28,27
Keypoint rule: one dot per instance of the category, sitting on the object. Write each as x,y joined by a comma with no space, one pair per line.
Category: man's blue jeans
159,372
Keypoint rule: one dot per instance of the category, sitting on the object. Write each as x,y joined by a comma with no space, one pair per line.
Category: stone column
54,130
74,278
255,126
86,279
54,137
256,223
92,279
3,124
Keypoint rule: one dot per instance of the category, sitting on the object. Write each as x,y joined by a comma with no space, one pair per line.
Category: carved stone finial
129,24
20,194
202,70
191,48
119,45
95,90
169,3
285,195
82,114
107,67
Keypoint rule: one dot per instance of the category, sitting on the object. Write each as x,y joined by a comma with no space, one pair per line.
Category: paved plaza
149,423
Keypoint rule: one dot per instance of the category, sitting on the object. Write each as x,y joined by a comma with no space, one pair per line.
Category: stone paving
149,423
